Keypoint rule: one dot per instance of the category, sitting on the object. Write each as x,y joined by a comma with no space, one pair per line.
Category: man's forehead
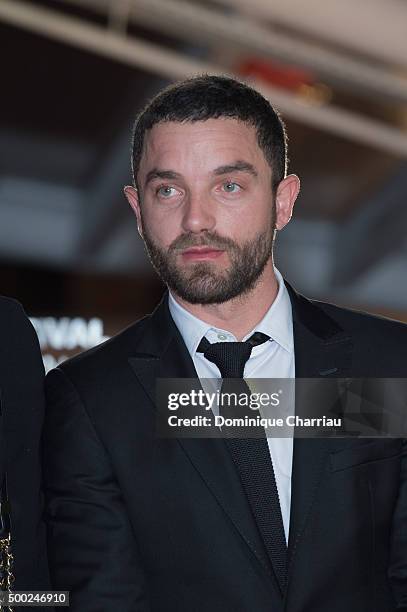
224,135
221,127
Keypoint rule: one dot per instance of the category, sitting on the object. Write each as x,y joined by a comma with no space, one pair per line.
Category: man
143,523
22,412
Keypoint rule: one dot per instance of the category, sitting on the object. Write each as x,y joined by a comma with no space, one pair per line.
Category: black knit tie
251,455
231,357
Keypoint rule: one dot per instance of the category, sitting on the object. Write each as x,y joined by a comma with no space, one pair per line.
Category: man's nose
198,214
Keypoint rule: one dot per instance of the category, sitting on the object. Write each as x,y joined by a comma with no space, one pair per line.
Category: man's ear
133,199
287,192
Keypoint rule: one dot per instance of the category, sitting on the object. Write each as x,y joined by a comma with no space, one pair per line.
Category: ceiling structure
79,70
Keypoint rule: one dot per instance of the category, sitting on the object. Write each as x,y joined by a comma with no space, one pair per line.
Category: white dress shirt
272,359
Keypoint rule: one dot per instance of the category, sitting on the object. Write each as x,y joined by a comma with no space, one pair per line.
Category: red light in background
290,78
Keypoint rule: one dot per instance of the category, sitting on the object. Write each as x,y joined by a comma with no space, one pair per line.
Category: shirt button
221,336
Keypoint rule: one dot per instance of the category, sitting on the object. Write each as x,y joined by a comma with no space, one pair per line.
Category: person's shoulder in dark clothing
22,414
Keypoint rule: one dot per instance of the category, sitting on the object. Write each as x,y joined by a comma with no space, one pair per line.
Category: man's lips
201,249
201,253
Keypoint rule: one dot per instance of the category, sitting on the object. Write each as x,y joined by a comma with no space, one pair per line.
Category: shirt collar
276,323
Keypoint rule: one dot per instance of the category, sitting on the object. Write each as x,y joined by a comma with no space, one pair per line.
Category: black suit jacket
22,413
139,523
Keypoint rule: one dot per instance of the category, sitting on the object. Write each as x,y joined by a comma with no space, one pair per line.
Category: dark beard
200,282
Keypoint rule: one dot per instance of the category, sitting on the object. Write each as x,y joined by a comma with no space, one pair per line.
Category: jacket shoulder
379,343
14,322
109,353
11,306
361,322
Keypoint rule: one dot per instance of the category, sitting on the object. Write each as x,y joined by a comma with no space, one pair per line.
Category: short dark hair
212,97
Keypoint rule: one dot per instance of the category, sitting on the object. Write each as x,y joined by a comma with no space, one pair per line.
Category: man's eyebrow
238,166
162,174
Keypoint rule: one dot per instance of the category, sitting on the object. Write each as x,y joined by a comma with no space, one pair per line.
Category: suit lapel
163,354
322,349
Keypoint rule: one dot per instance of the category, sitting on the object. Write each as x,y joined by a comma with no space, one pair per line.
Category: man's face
205,208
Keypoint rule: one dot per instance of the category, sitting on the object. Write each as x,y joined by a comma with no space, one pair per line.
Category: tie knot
231,357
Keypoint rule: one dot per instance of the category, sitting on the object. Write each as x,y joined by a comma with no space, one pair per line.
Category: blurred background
76,72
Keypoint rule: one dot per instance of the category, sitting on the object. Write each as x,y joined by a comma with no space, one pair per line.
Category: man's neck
241,314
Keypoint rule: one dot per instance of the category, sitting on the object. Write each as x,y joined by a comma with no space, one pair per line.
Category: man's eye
166,191
230,187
